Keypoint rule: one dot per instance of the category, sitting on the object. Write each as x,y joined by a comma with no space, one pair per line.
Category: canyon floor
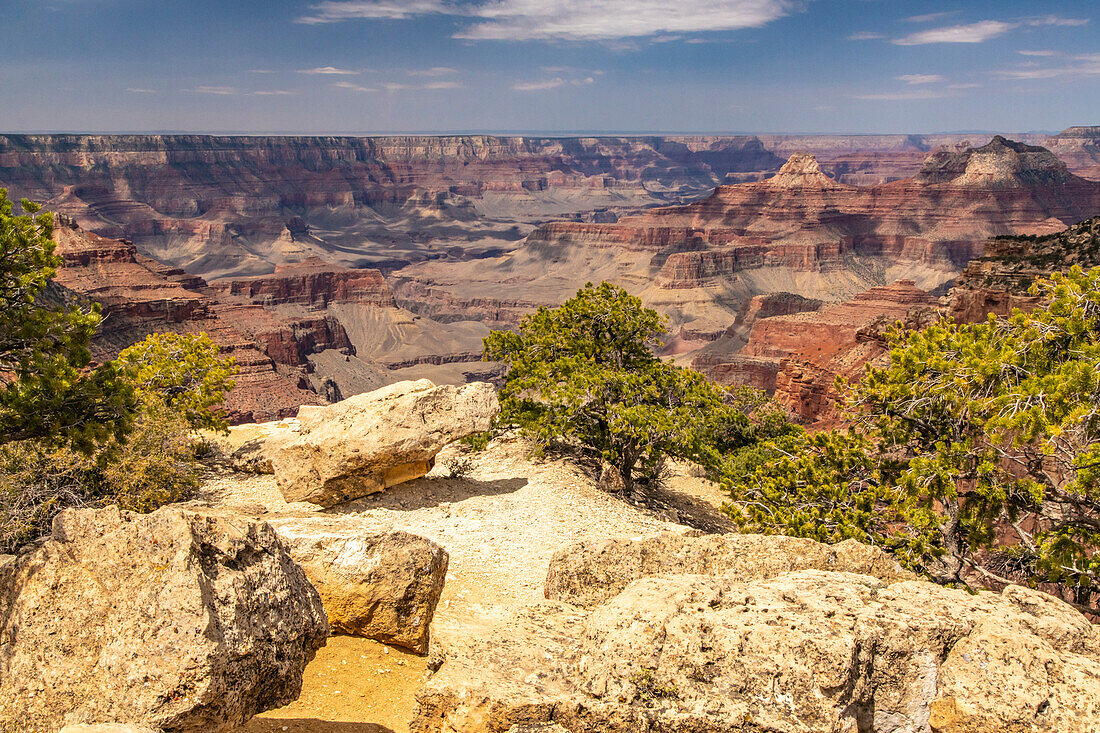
501,519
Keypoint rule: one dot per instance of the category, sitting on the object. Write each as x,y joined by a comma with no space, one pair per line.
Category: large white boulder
183,619
375,440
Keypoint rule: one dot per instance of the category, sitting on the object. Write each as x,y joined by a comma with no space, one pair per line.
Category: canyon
331,266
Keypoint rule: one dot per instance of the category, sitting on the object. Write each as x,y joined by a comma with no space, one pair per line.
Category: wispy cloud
865,36
1038,53
139,90
984,30
328,71
222,91
903,96
1085,65
338,10
578,20
920,78
261,71
443,85
434,71
274,93
352,87
930,17
557,81
970,33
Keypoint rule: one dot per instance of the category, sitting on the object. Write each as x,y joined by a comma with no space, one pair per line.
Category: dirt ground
501,519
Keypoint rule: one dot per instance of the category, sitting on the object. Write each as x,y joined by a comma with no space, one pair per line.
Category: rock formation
381,586
807,651
330,455
589,573
140,296
799,232
998,282
219,206
181,619
1079,147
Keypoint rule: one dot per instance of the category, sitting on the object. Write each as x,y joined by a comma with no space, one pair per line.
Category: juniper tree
586,374
974,454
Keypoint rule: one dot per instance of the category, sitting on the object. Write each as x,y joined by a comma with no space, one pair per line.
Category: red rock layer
313,283
802,219
140,296
798,357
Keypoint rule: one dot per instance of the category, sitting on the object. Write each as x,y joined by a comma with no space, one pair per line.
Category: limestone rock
181,619
808,651
591,572
381,586
375,440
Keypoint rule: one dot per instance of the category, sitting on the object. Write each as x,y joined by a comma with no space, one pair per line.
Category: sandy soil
501,522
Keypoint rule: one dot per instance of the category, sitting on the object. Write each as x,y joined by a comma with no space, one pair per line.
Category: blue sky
363,66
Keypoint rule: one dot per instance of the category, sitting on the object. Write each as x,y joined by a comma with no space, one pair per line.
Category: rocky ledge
757,644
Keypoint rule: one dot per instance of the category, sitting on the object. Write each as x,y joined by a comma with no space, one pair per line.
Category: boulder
808,651
591,572
375,440
381,586
183,619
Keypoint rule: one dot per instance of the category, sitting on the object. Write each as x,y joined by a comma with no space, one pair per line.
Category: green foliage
185,372
73,434
976,451
154,466
585,374
48,391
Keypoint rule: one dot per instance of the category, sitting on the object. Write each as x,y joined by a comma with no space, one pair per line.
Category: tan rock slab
183,619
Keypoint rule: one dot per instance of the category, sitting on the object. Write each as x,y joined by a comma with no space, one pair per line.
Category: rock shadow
309,725
430,491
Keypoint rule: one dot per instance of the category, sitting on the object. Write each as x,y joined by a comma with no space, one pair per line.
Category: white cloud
984,30
223,91
338,10
328,71
1037,53
920,78
261,71
930,17
971,33
274,93
434,71
903,96
578,20
352,87
557,81
139,90
1056,20
865,36
1086,65
538,86
443,85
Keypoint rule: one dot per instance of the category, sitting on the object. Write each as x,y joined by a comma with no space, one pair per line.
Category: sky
548,66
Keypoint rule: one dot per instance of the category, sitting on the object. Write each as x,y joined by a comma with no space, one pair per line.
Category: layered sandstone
798,357
998,282
140,296
313,283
